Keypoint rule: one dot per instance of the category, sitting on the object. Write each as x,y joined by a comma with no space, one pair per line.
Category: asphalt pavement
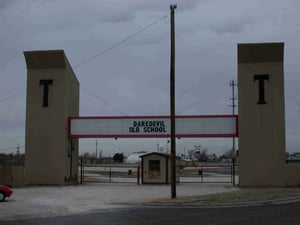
57,201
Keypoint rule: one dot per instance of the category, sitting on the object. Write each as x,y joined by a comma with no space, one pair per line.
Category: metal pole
201,174
82,174
81,170
172,104
232,84
138,175
96,151
70,155
109,174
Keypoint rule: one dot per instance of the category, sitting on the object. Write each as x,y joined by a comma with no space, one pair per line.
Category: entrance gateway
53,125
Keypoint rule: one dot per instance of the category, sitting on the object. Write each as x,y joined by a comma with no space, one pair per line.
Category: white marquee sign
153,126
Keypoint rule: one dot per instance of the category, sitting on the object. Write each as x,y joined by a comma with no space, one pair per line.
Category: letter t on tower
45,84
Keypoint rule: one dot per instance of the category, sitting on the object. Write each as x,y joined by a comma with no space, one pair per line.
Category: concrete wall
292,175
6,176
47,146
18,176
261,115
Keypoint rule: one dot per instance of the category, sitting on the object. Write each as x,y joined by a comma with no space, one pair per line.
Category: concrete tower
52,96
261,114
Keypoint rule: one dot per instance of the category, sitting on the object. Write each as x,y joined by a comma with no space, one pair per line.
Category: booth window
154,165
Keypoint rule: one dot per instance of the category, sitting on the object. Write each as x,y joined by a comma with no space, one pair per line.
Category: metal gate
127,173
210,173
109,173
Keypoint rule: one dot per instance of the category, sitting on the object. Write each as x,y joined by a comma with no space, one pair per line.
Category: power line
100,53
196,102
11,148
119,42
103,100
12,96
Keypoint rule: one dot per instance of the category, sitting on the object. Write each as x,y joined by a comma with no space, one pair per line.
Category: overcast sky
133,78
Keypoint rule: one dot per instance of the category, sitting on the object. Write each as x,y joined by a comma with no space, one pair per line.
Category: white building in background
134,157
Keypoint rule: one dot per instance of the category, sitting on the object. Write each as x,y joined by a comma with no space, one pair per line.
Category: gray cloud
5,3
133,78
232,25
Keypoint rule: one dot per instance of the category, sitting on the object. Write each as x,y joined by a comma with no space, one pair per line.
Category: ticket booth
156,168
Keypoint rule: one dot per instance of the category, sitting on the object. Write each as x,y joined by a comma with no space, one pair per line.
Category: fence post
202,174
81,171
109,174
233,172
138,175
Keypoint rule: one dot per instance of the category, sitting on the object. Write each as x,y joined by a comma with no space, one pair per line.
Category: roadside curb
278,201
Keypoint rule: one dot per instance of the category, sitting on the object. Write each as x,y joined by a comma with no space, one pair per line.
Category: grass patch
244,195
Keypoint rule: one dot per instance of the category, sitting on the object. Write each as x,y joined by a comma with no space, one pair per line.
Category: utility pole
233,98
172,103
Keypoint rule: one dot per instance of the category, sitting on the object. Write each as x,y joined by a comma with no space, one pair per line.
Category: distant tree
227,154
86,157
202,155
12,159
213,158
118,157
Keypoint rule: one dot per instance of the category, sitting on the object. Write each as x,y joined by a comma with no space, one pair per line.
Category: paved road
258,215
35,202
